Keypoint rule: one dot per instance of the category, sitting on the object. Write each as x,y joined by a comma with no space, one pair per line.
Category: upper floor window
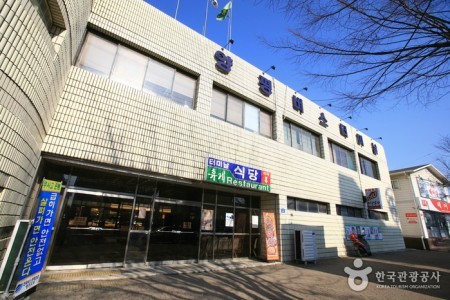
238,112
342,156
395,184
50,14
378,215
369,167
307,205
44,12
349,211
302,139
129,67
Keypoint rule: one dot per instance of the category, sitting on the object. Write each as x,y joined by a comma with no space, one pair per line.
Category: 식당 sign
35,252
223,172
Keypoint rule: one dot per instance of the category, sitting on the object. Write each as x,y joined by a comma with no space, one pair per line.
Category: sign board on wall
434,205
412,218
432,190
35,251
373,199
271,236
223,172
369,232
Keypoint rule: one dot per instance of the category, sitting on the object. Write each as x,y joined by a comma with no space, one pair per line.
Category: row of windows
238,112
308,141
324,208
129,67
308,206
124,65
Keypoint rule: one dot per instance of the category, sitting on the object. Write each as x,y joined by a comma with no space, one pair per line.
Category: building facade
170,147
422,197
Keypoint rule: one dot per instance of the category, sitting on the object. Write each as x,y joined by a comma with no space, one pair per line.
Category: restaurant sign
223,172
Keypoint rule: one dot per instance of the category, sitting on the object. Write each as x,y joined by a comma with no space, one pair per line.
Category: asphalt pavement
409,274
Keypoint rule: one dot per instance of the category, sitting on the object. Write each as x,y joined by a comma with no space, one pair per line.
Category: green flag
224,12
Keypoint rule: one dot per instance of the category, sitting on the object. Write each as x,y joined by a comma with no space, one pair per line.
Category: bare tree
444,160
395,47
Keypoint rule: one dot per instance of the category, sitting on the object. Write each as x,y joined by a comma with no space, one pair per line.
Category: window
378,215
369,167
44,12
129,67
238,112
302,139
342,156
50,13
307,205
395,184
349,211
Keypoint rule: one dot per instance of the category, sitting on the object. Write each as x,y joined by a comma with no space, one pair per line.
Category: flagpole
229,25
206,17
176,11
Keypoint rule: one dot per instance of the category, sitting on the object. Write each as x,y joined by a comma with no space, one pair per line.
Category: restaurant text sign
223,172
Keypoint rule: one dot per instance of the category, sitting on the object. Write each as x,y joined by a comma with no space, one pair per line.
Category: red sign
435,205
412,218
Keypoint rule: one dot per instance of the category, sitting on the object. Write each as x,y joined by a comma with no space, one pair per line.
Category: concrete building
169,147
422,197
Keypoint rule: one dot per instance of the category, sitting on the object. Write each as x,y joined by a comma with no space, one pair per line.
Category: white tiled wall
33,68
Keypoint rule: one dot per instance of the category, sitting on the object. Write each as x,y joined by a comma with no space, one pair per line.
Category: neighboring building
422,197
169,147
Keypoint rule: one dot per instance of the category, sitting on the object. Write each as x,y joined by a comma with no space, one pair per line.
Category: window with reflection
342,156
241,113
134,69
369,167
302,139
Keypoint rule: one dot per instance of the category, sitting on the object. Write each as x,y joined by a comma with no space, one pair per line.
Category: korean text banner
35,252
223,172
271,236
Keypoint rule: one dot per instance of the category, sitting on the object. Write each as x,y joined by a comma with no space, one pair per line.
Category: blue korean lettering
359,140
322,120
343,130
374,149
265,85
223,62
297,104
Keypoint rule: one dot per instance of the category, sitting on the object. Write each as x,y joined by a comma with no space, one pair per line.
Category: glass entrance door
175,231
93,229
140,231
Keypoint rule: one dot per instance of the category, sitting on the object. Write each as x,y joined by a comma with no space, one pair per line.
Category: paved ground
246,279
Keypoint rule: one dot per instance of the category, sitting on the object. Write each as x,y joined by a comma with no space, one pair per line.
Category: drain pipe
416,206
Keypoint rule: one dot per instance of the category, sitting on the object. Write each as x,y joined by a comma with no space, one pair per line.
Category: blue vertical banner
35,252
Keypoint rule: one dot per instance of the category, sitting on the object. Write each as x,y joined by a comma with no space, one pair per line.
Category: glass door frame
144,232
63,204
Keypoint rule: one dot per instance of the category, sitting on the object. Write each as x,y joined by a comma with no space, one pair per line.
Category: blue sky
409,132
